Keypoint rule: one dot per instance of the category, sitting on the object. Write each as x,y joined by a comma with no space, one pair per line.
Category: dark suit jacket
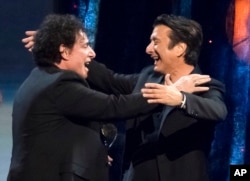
181,152
56,125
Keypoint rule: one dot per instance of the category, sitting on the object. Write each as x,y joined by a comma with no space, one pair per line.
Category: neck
181,70
62,65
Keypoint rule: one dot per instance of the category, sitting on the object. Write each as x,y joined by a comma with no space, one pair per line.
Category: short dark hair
55,30
183,30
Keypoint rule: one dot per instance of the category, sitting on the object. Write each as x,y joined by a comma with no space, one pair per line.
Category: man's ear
181,49
64,51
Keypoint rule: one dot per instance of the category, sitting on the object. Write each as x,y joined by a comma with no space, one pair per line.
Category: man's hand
190,83
169,94
29,41
163,94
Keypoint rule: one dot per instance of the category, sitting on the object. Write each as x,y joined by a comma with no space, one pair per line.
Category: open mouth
86,64
157,58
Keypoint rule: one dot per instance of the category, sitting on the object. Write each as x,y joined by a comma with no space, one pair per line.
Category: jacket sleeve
208,105
75,99
105,80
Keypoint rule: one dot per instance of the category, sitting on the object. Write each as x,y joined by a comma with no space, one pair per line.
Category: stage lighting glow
88,12
238,28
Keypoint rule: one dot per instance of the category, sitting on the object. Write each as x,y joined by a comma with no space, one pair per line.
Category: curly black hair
55,30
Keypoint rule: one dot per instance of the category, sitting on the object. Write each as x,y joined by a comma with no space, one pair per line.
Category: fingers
201,89
202,81
29,41
155,101
199,79
154,85
197,76
152,93
152,89
167,80
30,37
29,44
30,33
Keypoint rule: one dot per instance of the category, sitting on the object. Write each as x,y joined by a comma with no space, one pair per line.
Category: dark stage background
121,33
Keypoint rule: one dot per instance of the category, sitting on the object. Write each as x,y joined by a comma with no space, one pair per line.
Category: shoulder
59,76
148,69
71,77
216,84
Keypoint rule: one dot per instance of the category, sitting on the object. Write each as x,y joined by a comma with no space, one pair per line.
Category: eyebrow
153,38
83,40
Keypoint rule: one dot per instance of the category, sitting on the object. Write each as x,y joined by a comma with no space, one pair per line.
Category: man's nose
149,48
92,53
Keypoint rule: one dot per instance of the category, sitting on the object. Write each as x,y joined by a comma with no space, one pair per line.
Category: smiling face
78,57
165,58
